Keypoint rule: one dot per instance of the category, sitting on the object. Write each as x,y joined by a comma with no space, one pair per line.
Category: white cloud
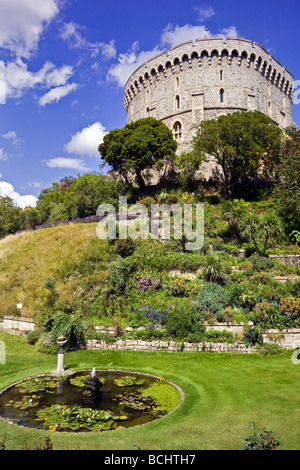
35,184
72,33
22,24
129,62
87,141
15,78
12,135
26,201
230,32
57,93
172,35
204,12
7,189
69,163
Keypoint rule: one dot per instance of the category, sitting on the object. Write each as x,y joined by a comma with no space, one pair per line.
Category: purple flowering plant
148,314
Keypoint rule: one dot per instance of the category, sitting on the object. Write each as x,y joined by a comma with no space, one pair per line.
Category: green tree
287,185
232,211
261,229
141,145
30,217
9,216
242,143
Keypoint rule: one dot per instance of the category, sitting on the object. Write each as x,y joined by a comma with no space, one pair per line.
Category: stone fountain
92,387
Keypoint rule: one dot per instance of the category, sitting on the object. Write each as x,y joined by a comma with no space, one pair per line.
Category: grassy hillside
27,259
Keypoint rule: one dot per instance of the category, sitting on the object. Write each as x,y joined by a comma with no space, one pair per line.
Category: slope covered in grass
63,252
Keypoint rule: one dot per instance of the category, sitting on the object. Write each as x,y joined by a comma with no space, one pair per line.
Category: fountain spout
93,373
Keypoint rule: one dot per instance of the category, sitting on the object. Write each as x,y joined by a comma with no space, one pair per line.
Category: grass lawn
224,393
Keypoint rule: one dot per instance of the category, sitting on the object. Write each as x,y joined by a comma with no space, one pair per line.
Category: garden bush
212,297
260,439
119,275
182,324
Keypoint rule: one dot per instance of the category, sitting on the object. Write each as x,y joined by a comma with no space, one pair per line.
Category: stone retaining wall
16,325
169,346
289,338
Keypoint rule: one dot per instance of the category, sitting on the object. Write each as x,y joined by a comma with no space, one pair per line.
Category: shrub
269,349
119,275
176,287
47,344
32,336
216,336
214,270
212,298
261,263
147,282
260,439
125,247
253,336
290,306
182,324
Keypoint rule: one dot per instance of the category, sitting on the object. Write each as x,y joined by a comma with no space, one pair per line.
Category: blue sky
63,65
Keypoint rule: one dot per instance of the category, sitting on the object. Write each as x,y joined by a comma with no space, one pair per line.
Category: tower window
221,96
177,131
177,102
221,75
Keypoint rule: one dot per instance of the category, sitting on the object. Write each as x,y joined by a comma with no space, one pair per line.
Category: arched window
222,96
177,131
147,112
177,102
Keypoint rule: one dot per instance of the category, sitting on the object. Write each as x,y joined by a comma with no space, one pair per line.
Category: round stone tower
205,79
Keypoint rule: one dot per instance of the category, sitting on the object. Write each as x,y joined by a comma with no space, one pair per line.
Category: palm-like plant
260,227
214,270
232,212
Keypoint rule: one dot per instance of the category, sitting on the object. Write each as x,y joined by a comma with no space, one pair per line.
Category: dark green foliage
9,216
182,324
287,186
253,336
260,439
71,327
141,145
239,142
119,275
33,335
125,247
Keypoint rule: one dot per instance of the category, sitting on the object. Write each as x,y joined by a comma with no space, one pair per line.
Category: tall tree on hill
242,143
9,216
141,145
287,185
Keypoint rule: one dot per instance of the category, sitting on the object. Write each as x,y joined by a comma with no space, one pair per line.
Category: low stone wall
287,259
168,346
288,338
16,325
